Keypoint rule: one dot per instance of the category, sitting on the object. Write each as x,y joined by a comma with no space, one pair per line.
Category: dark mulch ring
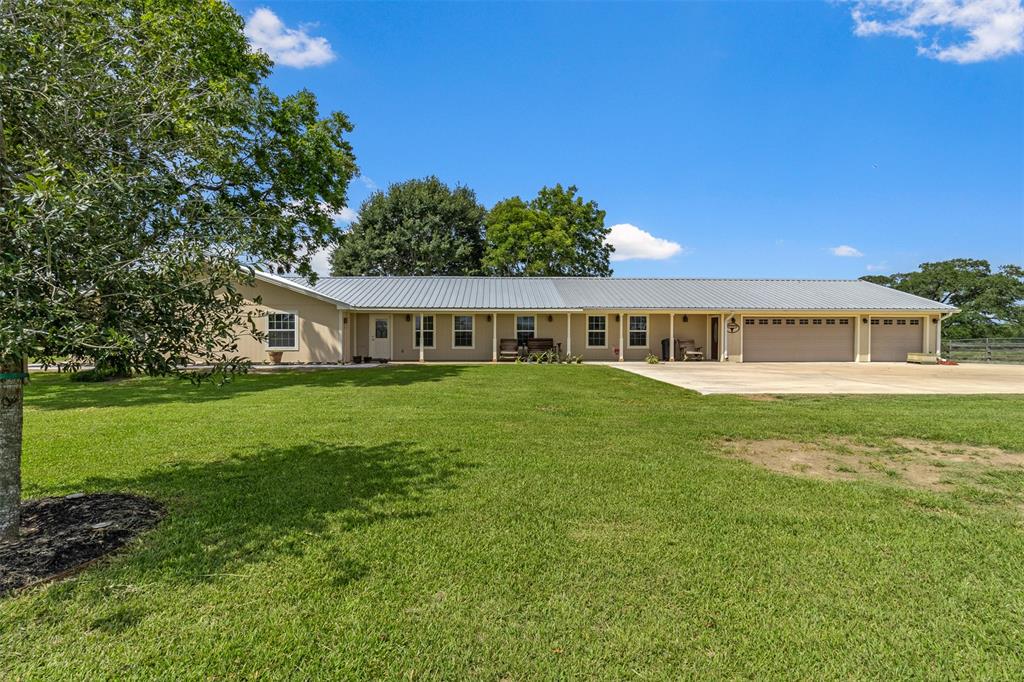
60,535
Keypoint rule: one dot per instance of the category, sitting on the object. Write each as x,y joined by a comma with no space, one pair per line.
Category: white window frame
646,331
295,317
533,332
472,332
605,331
432,330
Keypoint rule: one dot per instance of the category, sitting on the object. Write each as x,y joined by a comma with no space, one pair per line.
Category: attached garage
893,337
798,339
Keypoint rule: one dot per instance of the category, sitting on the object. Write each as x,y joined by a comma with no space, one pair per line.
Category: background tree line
425,227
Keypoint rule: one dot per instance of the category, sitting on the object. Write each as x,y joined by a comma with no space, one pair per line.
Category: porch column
722,338
420,334
568,333
622,346
391,337
341,336
352,332
856,338
494,336
671,337
938,337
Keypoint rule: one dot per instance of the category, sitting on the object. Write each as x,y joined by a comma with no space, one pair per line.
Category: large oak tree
416,227
142,159
556,233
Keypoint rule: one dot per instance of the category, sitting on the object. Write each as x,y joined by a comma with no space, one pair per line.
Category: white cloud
368,183
846,251
288,46
961,31
876,268
345,215
321,262
632,243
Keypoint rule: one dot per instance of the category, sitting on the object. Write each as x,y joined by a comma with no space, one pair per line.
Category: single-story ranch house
444,319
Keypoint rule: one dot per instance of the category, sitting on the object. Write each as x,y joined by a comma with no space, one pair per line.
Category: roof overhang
294,286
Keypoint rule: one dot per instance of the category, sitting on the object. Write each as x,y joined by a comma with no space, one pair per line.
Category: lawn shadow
52,391
245,509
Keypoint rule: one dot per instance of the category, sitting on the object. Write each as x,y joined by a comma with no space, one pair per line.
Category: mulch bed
61,535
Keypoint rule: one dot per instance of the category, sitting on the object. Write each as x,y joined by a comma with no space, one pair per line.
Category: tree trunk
11,394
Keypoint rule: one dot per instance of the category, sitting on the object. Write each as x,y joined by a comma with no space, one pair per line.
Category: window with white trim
427,321
805,321
887,323
844,321
762,321
526,327
597,331
749,321
790,320
816,321
830,321
282,331
875,322
915,322
902,323
638,331
462,331
776,321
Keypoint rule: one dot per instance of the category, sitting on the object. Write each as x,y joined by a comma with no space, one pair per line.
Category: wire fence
1006,350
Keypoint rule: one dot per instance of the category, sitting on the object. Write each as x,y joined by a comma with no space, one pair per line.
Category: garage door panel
798,339
893,338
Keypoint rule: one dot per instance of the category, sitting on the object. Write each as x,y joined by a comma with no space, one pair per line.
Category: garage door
892,338
798,339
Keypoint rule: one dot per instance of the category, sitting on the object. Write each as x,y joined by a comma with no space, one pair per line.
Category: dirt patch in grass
61,535
907,462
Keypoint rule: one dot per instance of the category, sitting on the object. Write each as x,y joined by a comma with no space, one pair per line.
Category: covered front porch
481,336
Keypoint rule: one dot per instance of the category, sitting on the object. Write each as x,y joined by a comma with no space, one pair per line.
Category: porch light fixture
616,318
935,320
864,320
550,318
488,318
407,317
686,318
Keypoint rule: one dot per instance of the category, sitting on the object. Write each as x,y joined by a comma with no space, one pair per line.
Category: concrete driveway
833,377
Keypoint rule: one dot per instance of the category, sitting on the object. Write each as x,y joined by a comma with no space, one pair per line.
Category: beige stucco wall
317,325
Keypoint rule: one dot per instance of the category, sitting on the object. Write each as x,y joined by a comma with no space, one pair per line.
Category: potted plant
275,356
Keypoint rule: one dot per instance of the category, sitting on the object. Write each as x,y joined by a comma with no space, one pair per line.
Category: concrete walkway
833,377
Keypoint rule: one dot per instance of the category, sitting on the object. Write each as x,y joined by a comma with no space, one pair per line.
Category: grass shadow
53,391
226,514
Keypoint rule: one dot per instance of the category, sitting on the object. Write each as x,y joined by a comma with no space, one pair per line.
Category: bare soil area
61,535
911,463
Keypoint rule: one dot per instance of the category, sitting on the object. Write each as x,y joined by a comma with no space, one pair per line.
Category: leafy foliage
417,227
991,303
555,234
141,160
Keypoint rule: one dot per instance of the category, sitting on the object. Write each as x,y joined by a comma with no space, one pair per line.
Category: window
915,323
281,331
749,321
526,325
874,321
844,321
830,321
762,321
816,322
380,329
638,331
804,321
791,321
597,331
887,322
462,334
901,322
776,321
427,322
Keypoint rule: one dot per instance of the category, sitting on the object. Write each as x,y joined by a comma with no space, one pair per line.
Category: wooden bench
689,350
508,349
539,346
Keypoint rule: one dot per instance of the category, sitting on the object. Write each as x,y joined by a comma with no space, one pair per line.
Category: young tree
142,161
417,227
556,233
991,303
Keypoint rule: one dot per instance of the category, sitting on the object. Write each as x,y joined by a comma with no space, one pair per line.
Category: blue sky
759,137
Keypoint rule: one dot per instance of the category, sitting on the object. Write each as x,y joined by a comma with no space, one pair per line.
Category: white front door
380,339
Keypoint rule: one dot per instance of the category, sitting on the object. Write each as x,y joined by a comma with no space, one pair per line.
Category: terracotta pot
275,356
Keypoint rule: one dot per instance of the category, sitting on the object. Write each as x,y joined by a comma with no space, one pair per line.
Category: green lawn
512,522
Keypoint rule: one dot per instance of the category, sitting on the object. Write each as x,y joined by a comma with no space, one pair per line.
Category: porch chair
689,350
508,349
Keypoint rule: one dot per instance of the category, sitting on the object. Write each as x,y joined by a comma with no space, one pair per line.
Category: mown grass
511,522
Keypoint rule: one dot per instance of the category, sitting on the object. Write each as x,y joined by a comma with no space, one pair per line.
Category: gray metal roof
581,293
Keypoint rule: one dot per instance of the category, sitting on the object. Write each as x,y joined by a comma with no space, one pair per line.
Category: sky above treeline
799,139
